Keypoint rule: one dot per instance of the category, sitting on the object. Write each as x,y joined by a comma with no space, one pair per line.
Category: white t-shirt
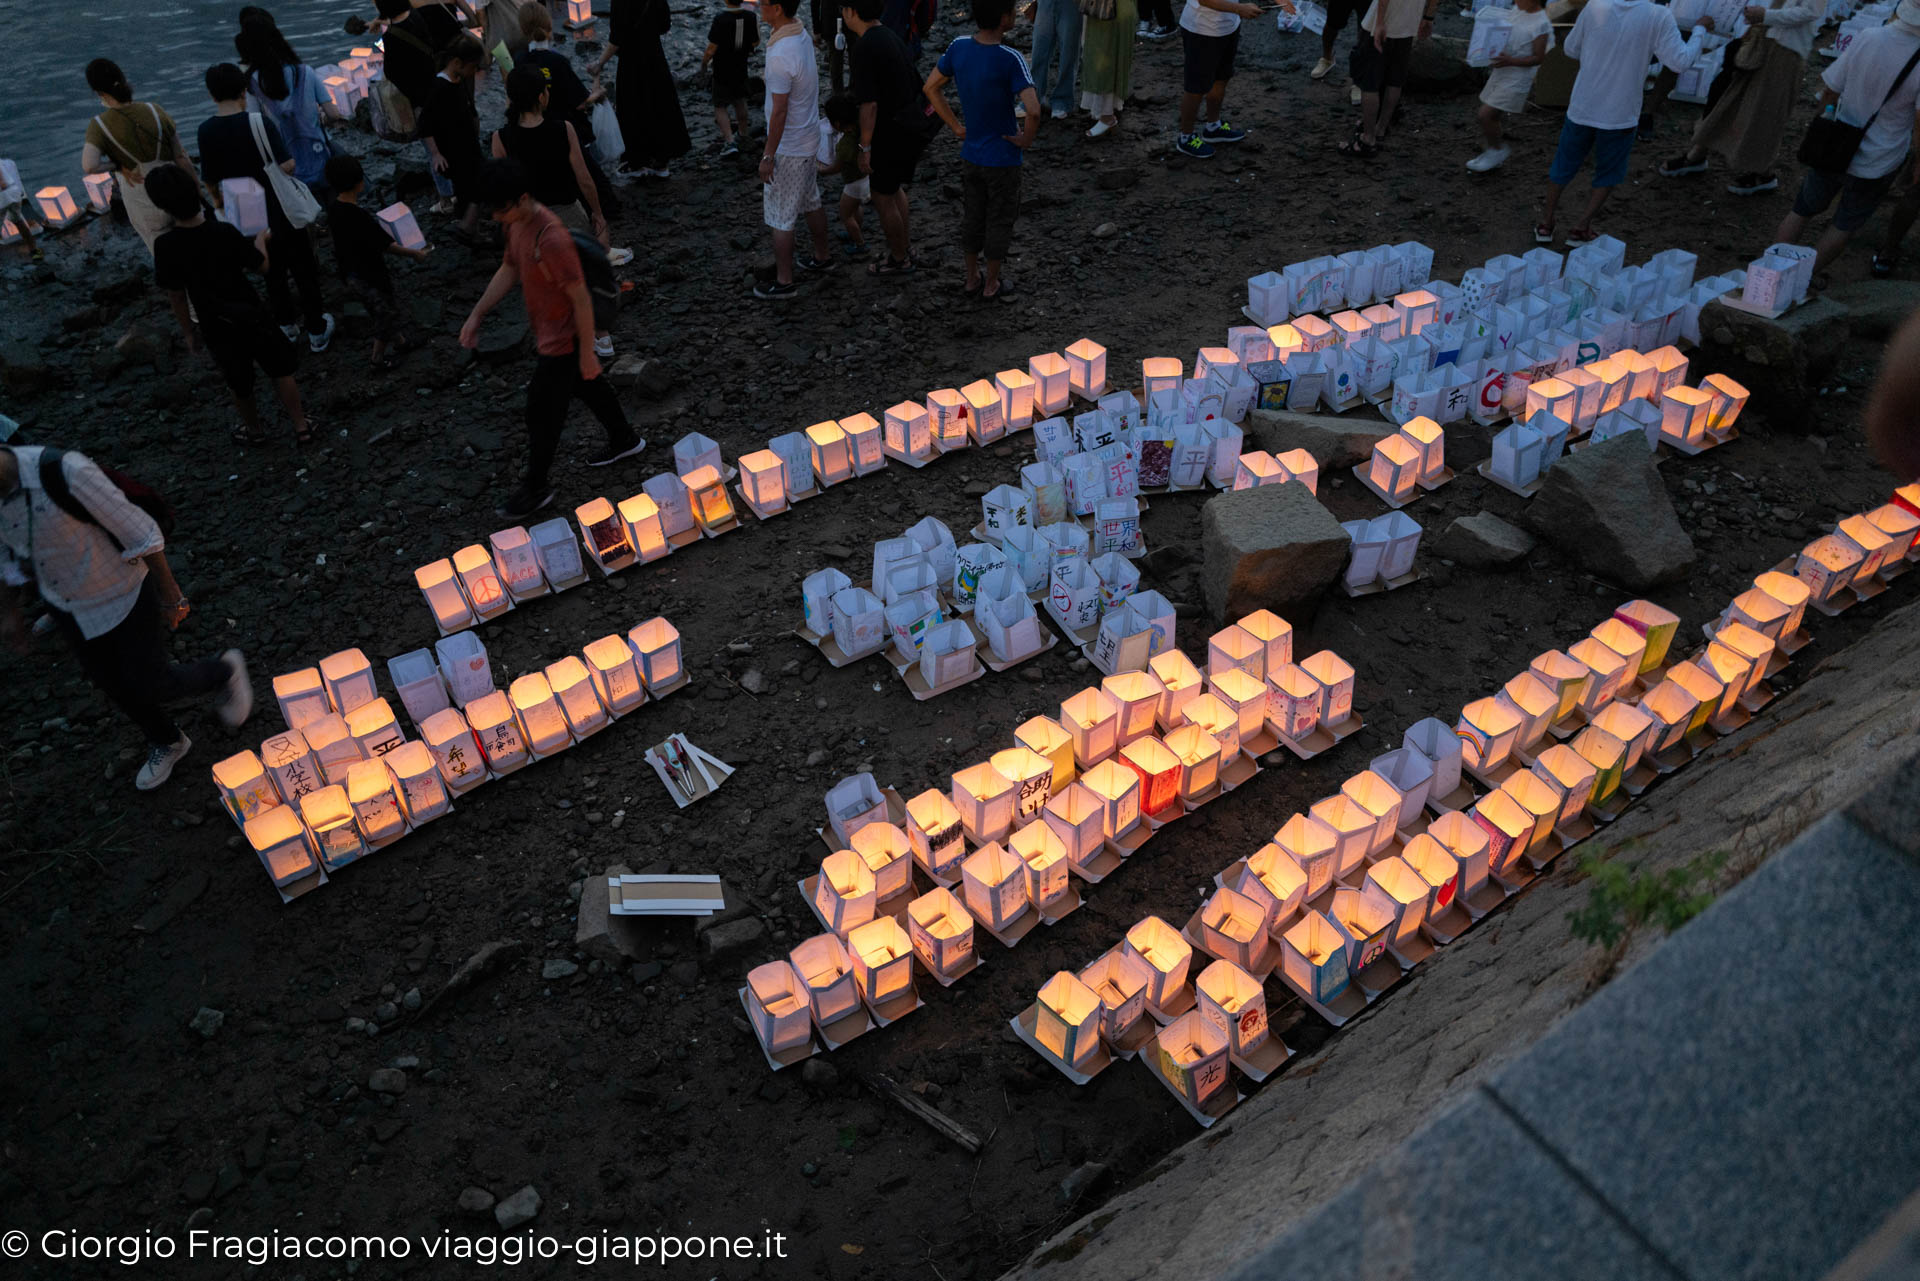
1528,27
1403,18
790,70
1862,76
1203,21
1613,41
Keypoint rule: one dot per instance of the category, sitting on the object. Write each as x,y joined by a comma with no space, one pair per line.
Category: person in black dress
644,94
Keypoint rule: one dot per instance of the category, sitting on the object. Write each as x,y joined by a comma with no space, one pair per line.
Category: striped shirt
76,566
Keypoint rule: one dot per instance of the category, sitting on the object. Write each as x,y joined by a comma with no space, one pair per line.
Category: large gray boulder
1334,440
1606,508
1875,308
1483,541
1782,362
1274,547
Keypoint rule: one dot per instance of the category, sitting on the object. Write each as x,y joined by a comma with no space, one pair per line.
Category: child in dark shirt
452,128
842,129
360,248
731,40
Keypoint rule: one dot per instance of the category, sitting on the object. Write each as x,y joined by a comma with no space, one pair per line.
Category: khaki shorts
795,190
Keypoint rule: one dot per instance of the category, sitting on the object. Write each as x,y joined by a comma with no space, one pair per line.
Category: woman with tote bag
127,140
1749,120
289,94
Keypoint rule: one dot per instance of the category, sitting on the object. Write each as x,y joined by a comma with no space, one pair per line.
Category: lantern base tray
299,885
336,863
1515,876
1734,718
1438,479
1525,491
1379,585
767,512
1008,664
1064,906
1361,474
785,1058
1342,406
1739,303
830,648
1449,925
1350,1002
895,1008
1237,771
916,681
1758,695
1197,941
1895,568
1690,449
1669,759
1548,849
1578,829
1460,798
520,595
1081,637
1013,931
1135,1039
808,887
1611,808
948,980
1484,899
1194,802
1025,1025
844,1029
1411,951
1224,1099
608,568
1492,779
1639,778
674,686
1098,868
1128,843
1267,1058
901,456
1179,1003
1258,745
1562,730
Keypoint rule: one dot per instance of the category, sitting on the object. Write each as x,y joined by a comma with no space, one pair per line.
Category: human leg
130,665
548,393
1575,142
1044,40
973,219
1068,24
1002,208
1899,222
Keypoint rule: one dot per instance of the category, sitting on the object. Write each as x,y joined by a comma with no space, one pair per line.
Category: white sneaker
1491,158
619,257
317,343
1061,113
291,332
160,763
237,703
1353,94
1320,69
603,347
1143,29
1101,129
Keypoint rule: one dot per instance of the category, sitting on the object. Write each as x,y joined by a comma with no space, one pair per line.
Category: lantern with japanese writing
1117,789
374,728
942,933
456,750
763,482
1192,1058
422,791
984,799
712,507
516,562
558,551
1087,369
845,892
995,886
329,816
933,828
605,535
1120,980
1031,777
376,804
334,746
573,689
494,725
281,842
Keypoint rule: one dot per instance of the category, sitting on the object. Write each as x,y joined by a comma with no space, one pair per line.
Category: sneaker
317,343
773,289
807,262
1161,33
731,149
619,257
1491,158
613,453
1320,69
237,703
1194,146
1353,94
160,763
1579,237
1101,129
1061,113
1680,166
291,332
522,503
1143,29
1752,184
1222,131
1543,234
603,346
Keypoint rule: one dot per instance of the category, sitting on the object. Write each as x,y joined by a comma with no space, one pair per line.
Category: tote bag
296,201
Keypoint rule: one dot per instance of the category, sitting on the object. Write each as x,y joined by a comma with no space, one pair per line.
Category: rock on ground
1274,547
475,1201
733,938
518,1209
207,1021
1607,509
387,1081
600,935
1483,541
1782,362
1333,440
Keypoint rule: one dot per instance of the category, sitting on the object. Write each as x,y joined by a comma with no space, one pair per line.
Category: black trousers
290,259
130,665
1158,13
990,200
1339,13
556,384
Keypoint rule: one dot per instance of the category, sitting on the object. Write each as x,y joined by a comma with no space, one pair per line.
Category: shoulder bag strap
260,141
1897,82
119,146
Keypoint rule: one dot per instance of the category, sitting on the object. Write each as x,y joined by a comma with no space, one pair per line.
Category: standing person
893,125
1056,27
541,260
1380,63
731,41
15,209
1106,66
502,30
1156,21
99,562
229,148
1749,119
206,262
1209,38
288,93
360,249
1511,79
789,182
127,140
644,92
571,99
843,118
451,128
991,77
1339,13
1613,41
1876,82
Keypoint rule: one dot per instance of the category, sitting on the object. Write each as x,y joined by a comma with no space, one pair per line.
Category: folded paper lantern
1353,829
1655,624
456,749
1438,868
1092,720
1086,362
1411,774
656,643
303,696
1673,709
1440,744
1233,928
712,506
994,883
1608,756
1488,730
1293,702
1540,800
573,689
1630,643
941,930
1165,955
1395,468
280,840
542,723
1159,772
845,892
1467,841
605,535
480,581
1078,818
423,793
1136,696
933,830
1630,725
1565,676
826,969
882,960
1161,373
777,1000
246,788
865,443
329,816
348,678
1067,1022
1245,694
1119,980
1313,955
1379,798
1876,547
1710,694
1117,789
374,728
1536,704
558,551
1044,857
615,676
376,803
399,222
1045,737
1273,880
1198,755
1828,566
1179,682
1234,647
694,451
1363,917
1192,1057
1409,893
1425,436
333,746
1256,468
1315,846
1336,684
1571,776
947,419
518,563
1609,670
1508,825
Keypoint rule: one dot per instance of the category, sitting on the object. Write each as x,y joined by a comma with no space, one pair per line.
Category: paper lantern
694,451
1049,372
1587,391
1233,928
1198,755
1353,829
1708,691
1179,682
1608,756
1159,772
542,722
1030,776
399,222
1314,846
1313,956
1410,774
830,453
1684,414
1379,798
1565,677
348,678
1161,373
456,749
99,188
605,535
763,482
777,1000
480,582
1045,875
1256,468
1395,469
334,747
995,886
1609,672
825,969
1629,642
573,688
1425,437
1165,956
376,804
707,493
1086,363
1467,841
1518,454
1789,591
1245,694
57,208
1900,526
502,742
656,643
1294,700
1234,647
1045,737
1727,399
615,677
416,775
464,667
1656,625
1192,1058
374,728
933,829
983,416
882,960
1117,789
558,552
1067,1021
1673,709
1754,649
302,696
865,445
1136,698
844,892
1540,801
340,92
1488,729
1212,714
1440,744
941,930
1409,893
280,840
329,816
1630,725
516,562
1274,881
947,416
1335,678
1828,566
1572,777
1875,547
1509,829
246,788
640,518
888,855
1078,818
1092,720
1439,870
1534,702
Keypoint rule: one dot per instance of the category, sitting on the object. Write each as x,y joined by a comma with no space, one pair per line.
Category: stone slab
1336,442
1781,361
1273,547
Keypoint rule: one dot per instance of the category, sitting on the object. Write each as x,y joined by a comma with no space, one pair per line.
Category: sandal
1358,149
1002,294
244,435
891,266
972,290
1885,264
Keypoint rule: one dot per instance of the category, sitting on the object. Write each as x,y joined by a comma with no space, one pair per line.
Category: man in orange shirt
540,258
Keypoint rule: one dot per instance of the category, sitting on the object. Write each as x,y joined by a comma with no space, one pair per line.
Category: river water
164,46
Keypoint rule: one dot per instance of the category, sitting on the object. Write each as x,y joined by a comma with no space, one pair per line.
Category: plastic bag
608,144
1308,17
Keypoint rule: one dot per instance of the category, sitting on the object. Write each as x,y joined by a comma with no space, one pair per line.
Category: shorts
236,351
1610,148
383,316
861,190
1208,59
1377,69
795,190
729,85
893,159
1858,196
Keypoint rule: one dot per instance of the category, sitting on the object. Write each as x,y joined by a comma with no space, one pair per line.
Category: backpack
596,271
53,480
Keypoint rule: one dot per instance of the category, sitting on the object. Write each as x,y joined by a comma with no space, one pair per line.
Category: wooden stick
910,1102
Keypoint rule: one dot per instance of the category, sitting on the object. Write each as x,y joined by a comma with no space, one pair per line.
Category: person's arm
936,91
177,299
93,160
260,240
180,156
321,102
583,329
776,130
504,279
706,58
1893,411
1576,38
1674,53
1031,124
1533,59
1232,6
869,116
498,148
139,537
584,180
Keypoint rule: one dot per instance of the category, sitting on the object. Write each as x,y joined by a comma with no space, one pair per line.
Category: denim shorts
1610,148
1858,197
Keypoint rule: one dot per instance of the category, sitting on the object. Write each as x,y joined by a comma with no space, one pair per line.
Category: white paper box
909,431
456,749
859,621
1268,298
1087,369
941,929
1015,390
1053,440
694,451
946,653
1224,463
864,441
416,678
656,644
817,591
1363,562
441,588
243,204
1011,626
937,542
908,617
1050,391
983,411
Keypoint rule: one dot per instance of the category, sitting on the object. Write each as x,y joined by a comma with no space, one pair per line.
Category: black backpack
53,479
596,270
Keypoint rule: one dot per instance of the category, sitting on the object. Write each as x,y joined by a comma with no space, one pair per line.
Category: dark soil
635,1100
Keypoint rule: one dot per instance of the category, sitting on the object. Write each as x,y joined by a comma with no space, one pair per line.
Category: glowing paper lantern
1234,647
246,789
1509,828
1608,670
616,680
1335,678
1233,928
1395,468
99,192
1212,714
1488,730
1078,818
1630,643
1379,798
423,792
1534,702
1117,789
376,803
502,743
1045,737
333,746
1092,720
1159,772
941,930
280,840
1136,697
1049,372
542,723
1353,831
640,515
1119,980
1565,677
1630,725
1608,756
1313,956
1245,694
605,535
399,222
1467,842
1198,755
374,728
1087,369
1179,682
480,581
712,508
845,892
1067,1021
1396,880
1044,857
1572,777
656,643
348,678
984,799
933,828
826,969
882,961
1657,625
57,208
329,816
1166,957
777,1001
302,696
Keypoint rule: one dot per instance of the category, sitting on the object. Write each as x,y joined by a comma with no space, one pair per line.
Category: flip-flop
1357,149
972,290
1003,294
891,266
250,436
